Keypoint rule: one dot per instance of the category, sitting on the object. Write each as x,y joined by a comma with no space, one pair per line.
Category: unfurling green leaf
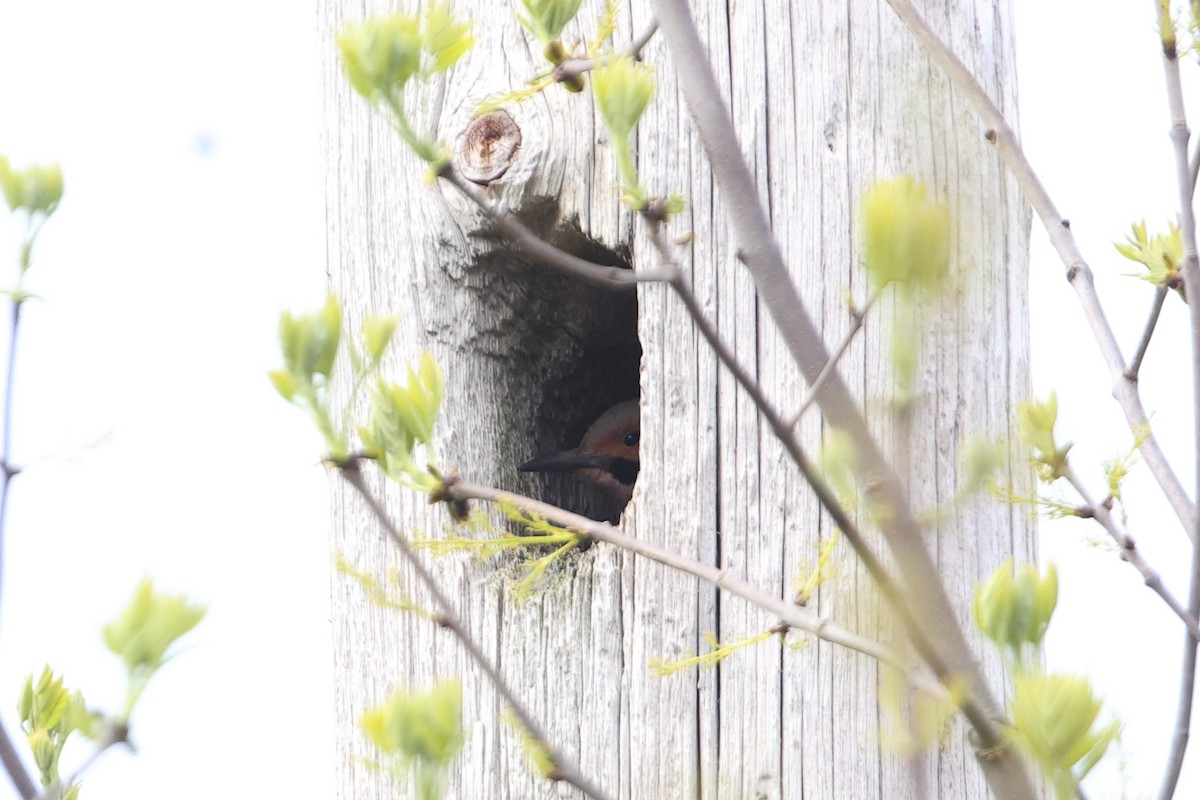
310,342
1053,721
377,334
380,54
547,18
1013,608
402,417
906,236
284,383
444,38
1035,427
1160,253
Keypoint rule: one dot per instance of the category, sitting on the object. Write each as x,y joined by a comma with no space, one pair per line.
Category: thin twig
1135,363
7,472
858,317
1194,167
15,767
1079,274
602,275
572,68
1130,553
1191,281
447,618
924,588
790,614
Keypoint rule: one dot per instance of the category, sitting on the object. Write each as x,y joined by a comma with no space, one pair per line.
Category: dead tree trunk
826,99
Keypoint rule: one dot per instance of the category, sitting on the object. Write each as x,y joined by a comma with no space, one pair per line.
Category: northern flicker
606,458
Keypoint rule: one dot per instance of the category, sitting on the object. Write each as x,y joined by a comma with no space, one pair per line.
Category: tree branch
1079,274
1006,774
15,767
447,618
1135,364
7,471
602,275
1130,553
1191,281
790,614
1194,167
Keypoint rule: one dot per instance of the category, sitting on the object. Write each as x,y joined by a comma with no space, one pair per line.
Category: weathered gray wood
827,98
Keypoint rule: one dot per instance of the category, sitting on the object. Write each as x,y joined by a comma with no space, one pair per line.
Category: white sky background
192,216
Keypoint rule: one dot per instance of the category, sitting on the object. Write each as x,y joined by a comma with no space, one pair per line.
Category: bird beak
567,461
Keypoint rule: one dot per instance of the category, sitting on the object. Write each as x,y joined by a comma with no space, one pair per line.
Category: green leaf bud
1013,608
380,54
310,343
1035,427
45,754
419,727
1161,254
37,189
47,702
906,236
148,626
1053,718
25,701
623,89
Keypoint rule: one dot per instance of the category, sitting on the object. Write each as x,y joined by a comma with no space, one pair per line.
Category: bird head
608,456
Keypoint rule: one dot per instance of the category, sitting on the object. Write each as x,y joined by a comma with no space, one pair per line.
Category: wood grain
826,97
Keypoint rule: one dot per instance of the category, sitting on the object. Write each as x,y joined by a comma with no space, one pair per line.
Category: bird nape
607,458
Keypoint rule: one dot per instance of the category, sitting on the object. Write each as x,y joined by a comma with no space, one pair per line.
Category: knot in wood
487,147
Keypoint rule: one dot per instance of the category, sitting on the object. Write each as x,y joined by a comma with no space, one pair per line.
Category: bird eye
631,439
